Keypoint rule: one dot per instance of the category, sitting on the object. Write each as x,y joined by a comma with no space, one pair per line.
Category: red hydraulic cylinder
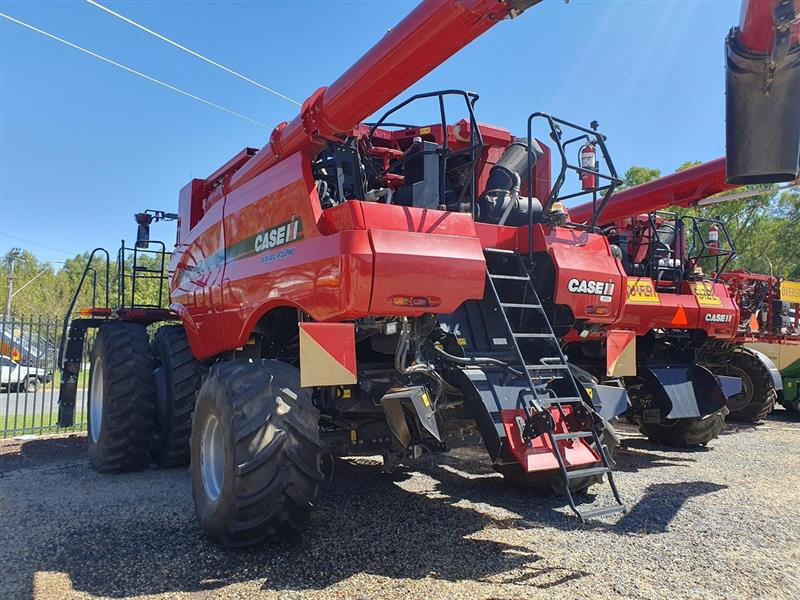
677,189
429,35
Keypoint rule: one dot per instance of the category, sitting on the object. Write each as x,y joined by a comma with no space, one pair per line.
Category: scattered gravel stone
721,522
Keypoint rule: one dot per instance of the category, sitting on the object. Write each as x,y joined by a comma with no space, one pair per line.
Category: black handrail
77,293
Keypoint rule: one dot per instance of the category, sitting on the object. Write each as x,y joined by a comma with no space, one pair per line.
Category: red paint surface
539,456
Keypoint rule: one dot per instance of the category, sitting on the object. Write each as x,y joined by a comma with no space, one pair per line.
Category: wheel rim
212,458
96,400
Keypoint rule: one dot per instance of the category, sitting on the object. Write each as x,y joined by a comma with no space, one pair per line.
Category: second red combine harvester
355,289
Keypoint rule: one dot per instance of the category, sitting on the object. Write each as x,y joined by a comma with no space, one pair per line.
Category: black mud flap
762,111
686,391
608,401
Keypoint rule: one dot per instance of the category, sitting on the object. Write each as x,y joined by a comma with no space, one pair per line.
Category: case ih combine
377,288
680,297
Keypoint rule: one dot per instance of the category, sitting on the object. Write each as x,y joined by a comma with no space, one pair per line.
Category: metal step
587,472
509,277
547,367
517,305
534,335
500,251
603,511
572,435
565,400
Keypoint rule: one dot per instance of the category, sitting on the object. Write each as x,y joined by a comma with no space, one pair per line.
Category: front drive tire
177,378
120,402
255,452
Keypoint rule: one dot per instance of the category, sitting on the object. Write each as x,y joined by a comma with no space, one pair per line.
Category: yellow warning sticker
424,130
353,436
642,291
426,400
790,291
589,391
704,294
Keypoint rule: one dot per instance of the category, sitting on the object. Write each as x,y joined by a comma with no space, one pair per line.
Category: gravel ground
717,523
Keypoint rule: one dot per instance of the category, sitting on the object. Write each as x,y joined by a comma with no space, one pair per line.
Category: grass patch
38,424
83,379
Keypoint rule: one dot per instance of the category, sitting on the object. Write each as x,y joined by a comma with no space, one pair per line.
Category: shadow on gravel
366,523
17,454
147,542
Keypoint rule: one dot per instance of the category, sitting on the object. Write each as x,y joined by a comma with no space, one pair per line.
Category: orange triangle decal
680,320
753,322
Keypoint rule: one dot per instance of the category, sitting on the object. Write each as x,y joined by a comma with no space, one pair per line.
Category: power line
192,52
130,70
19,239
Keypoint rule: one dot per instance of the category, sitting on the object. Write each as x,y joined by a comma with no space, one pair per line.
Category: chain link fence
30,378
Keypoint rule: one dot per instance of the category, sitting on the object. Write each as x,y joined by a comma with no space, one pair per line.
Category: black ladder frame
539,421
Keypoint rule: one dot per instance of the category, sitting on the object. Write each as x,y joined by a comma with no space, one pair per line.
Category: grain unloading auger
358,289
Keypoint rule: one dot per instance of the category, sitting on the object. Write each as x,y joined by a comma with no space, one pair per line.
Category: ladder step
510,277
587,472
499,251
572,435
602,512
547,367
565,400
535,335
516,305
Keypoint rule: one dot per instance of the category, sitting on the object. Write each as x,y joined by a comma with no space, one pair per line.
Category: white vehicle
16,377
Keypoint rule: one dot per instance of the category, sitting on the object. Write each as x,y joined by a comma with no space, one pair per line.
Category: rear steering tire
758,395
120,402
255,452
697,431
177,378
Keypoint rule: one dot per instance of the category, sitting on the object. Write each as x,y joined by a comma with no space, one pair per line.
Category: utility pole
11,258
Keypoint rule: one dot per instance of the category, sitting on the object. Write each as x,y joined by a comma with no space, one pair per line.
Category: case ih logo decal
591,287
285,233
718,318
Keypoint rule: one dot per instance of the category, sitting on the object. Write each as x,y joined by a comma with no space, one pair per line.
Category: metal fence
30,378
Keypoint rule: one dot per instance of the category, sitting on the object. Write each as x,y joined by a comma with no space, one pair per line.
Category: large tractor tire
255,452
551,482
121,396
758,395
697,431
178,375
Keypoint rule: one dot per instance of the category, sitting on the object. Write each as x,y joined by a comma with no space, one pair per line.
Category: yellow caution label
425,400
346,393
353,436
590,392
462,341
642,291
704,293
790,291
424,130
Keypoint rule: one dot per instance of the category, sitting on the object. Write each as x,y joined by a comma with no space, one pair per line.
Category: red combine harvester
355,289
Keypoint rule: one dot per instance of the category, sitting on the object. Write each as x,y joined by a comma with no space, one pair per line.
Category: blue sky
84,145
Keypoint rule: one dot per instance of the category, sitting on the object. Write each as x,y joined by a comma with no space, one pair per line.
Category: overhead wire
131,70
192,52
